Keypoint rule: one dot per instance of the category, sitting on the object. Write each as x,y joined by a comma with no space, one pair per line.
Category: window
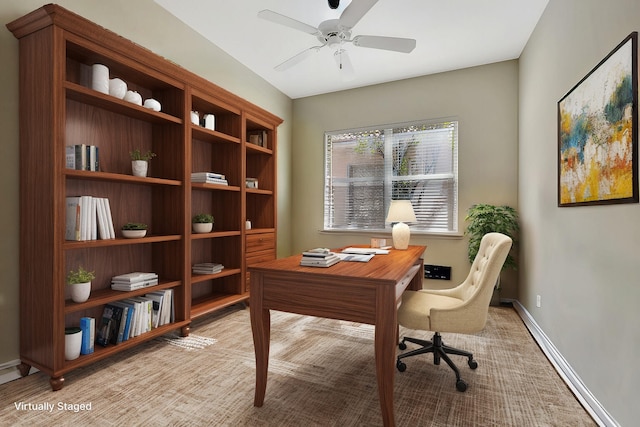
366,168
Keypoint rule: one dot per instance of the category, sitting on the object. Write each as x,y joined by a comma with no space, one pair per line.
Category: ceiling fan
334,33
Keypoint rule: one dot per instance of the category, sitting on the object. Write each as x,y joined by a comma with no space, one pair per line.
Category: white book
136,276
103,228
156,310
374,251
72,228
168,296
93,219
85,208
107,208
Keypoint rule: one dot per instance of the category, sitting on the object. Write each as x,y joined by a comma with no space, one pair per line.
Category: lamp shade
401,211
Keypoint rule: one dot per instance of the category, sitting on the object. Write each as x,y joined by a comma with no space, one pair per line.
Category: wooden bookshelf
58,107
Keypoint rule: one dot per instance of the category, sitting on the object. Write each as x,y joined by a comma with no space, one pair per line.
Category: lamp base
401,235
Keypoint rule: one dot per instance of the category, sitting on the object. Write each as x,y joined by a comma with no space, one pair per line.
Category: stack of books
82,157
133,281
319,257
209,178
88,218
207,268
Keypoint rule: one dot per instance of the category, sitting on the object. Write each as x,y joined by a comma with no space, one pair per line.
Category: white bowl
133,234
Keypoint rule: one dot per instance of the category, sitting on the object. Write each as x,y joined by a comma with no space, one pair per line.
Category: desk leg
385,349
261,328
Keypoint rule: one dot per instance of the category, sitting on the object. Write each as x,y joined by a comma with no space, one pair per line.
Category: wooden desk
354,291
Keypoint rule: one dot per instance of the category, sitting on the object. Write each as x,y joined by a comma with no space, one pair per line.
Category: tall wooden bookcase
58,108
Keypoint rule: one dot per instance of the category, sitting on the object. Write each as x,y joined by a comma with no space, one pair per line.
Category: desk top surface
390,267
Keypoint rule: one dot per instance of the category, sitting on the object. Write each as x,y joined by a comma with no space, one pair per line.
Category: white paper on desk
365,251
355,257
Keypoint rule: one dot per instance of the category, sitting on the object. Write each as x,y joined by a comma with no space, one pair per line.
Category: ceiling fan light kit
334,33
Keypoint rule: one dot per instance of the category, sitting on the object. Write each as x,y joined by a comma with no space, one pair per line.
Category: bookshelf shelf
60,108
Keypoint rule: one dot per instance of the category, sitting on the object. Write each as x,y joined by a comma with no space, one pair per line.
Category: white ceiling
450,34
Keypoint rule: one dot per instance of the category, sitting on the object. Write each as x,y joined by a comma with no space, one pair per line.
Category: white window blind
366,168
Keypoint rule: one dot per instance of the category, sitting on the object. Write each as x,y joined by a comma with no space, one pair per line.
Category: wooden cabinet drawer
260,242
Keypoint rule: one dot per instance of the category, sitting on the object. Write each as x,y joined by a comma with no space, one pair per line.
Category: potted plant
485,218
140,161
79,282
202,223
133,230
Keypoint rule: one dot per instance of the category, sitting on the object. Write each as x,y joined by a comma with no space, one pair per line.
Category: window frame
453,176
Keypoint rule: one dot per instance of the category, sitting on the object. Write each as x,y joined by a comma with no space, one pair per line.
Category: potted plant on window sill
140,161
132,230
485,218
79,282
202,223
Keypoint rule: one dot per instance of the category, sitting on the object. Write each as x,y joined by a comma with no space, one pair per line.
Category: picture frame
597,132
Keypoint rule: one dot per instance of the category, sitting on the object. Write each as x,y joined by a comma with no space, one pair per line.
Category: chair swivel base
439,351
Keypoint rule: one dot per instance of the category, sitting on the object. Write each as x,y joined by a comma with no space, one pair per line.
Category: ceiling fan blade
272,16
344,63
296,59
354,12
396,44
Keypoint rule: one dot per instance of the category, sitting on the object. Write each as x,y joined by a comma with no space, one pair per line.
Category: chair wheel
473,364
461,385
402,346
401,366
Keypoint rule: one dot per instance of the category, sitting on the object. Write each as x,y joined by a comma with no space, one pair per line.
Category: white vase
117,88
202,227
100,78
72,343
80,291
139,167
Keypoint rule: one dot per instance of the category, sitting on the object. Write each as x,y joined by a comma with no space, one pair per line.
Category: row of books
88,218
209,178
83,157
133,281
207,268
319,257
130,317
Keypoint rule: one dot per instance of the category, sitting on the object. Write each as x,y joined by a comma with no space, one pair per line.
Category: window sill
454,235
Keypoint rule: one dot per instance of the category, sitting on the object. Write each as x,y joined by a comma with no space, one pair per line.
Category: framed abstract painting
597,132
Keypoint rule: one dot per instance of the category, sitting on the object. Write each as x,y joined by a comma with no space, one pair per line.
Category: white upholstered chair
462,309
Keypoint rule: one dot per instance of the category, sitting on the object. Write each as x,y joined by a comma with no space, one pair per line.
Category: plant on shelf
140,161
79,282
134,229
485,218
202,223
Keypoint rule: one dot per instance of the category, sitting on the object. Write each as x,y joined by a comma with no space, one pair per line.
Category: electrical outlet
538,301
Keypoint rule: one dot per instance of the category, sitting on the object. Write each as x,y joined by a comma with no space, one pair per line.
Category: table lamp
399,212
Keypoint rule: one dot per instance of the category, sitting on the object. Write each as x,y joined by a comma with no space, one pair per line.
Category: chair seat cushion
416,307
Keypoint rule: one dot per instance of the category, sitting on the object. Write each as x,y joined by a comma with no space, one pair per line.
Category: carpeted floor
321,373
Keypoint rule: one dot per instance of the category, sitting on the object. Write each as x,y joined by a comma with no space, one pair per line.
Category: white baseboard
9,371
568,375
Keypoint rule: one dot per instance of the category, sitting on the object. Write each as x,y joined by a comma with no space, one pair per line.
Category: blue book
88,326
129,309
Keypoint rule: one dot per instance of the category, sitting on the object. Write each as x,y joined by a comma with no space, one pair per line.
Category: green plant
138,155
202,218
80,276
134,226
483,219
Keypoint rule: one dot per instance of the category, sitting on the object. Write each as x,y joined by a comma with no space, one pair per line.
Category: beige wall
149,25
583,261
484,100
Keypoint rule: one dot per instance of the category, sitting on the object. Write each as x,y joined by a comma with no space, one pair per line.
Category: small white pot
133,234
202,227
72,343
80,291
139,167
